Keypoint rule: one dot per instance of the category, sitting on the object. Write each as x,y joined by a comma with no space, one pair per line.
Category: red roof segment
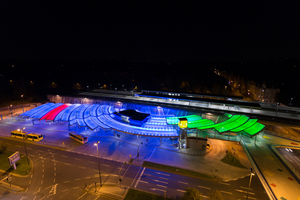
52,114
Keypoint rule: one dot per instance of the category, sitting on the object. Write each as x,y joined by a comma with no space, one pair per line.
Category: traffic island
23,166
232,158
134,194
110,190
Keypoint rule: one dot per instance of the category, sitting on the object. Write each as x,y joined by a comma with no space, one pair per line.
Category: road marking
64,156
65,190
42,175
224,183
157,189
87,177
163,178
54,180
148,174
137,182
8,144
105,165
161,186
28,148
37,191
31,155
77,159
41,182
144,181
82,196
23,198
182,182
246,188
34,198
82,167
204,187
245,192
40,150
75,188
29,182
180,190
54,160
250,197
162,174
91,162
54,173
18,146
67,164
26,190
77,179
159,181
66,181
225,192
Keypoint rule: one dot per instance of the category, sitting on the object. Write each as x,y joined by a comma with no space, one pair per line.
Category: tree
191,194
2,149
216,195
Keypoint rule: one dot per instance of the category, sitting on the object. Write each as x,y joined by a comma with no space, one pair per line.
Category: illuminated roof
249,123
52,114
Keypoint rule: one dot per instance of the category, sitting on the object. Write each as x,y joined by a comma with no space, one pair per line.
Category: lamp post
22,96
252,174
24,144
96,144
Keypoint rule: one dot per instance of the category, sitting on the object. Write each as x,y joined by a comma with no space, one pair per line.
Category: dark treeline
35,79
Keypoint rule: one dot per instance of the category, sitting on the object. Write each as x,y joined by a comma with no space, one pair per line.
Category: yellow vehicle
79,138
34,137
18,134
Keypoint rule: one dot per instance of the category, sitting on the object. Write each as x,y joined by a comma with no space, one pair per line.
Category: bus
34,137
27,136
79,138
18,134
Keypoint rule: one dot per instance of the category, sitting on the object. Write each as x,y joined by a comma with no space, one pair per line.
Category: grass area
22,166
177,170
232,159
133,194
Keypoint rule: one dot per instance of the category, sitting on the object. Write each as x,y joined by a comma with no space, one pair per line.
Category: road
59,174
292,156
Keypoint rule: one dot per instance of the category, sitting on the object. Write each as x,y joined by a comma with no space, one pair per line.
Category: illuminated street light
96,144
252,174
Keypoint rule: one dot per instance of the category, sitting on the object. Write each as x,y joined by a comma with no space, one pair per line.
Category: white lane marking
29,182
77,179
245,192
162,174
249,197
91,162
31,155
180,190
161,186
77,159
224,183
105,165
137,182
18,146
225,192
82,196
40,150
66,181
37,191
182,182
157,189
75,187
67,164
28,148
204,187
159,181
41,182
65,190
34,198
42,175
26,190
143,181
246,188
64,156
82,167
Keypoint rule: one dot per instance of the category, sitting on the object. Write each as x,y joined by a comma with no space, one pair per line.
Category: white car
289,150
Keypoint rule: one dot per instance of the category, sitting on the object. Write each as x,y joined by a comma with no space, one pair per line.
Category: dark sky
170,32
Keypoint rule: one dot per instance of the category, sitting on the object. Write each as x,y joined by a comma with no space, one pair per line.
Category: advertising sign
14,158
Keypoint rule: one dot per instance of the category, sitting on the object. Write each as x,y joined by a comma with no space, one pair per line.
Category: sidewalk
12,188
112,191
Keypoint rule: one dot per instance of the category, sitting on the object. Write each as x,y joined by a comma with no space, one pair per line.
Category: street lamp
22,96
24,144
96,144
252,174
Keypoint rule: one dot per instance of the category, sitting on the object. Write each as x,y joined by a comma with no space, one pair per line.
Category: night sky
169,32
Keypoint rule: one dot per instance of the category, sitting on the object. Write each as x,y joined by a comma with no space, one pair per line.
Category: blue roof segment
59,115
87,112
81,111
93,111
68,111
44,111
35,110
81,122
99,123
73,114
90,123
99,110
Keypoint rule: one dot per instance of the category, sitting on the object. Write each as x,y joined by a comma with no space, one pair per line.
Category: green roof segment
228,115
199,123
248,124
227,127
256,128
190,118
233,118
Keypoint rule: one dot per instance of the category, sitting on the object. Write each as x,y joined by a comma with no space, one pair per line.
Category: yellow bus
18,134
34,136
28,136
80,138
